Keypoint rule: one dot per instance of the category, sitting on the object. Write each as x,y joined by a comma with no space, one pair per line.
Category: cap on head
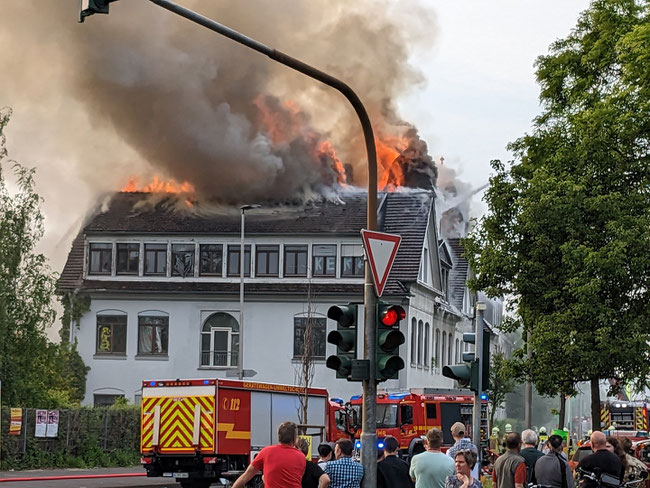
458,429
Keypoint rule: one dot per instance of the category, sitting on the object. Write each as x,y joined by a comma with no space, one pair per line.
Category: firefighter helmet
495,431
508,428
542,430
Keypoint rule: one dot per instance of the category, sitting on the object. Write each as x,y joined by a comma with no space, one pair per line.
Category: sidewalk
38,478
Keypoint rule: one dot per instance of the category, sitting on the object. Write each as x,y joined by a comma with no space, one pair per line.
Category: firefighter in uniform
502,446
494,440
543,437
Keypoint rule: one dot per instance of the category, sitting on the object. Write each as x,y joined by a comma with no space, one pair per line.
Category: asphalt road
125,482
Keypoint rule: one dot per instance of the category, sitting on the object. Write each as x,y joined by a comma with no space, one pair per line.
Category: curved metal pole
369,429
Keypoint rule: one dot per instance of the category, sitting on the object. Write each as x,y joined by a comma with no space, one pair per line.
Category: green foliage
503,380
87,438
568,228
34,372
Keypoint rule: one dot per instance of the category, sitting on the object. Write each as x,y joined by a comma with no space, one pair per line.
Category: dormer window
324,258
128,258
101,258
211,260
155,259
267,259
295,260
352,260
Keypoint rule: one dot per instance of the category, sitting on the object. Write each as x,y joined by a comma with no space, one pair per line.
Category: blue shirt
344,473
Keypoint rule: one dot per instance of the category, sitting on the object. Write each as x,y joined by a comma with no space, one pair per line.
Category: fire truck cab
408,416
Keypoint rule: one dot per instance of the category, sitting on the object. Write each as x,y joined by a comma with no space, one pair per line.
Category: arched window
457,353
443,361
450,358
220,340
420,341
427,356
413,340
437,349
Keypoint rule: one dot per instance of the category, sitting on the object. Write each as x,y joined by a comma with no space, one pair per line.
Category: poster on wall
16,421
41,423
52,423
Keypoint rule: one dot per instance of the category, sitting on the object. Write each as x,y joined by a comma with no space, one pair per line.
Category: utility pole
528,391
369,429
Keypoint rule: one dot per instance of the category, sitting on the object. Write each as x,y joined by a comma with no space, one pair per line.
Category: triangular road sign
381,249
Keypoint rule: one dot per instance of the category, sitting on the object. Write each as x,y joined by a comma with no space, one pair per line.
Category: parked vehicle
200,430
409,415
624,415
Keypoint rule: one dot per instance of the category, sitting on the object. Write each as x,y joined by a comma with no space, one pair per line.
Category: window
431,411
111,334
444,348
426,356
437,349
406,415
183,260
211,260
324,260
414,340
387,415
420,340
128,258
450,358
220,340
101,258
457,353
267,260
155,259
316,328
105,400
234,259
295,260
153,335
425,266
445,281
351,260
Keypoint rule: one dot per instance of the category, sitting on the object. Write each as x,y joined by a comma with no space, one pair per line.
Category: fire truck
624,415
408,416
200,430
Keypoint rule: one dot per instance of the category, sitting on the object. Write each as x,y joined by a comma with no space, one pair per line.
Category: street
109,482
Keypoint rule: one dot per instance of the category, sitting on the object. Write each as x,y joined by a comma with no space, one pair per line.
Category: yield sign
381,249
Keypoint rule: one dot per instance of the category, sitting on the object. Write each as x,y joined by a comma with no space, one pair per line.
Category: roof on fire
406,213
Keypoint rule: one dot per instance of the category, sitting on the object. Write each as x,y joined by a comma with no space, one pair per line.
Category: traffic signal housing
389,338
467,374
90,7
344,338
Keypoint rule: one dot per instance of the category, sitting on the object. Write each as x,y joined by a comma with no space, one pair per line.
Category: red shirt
282,466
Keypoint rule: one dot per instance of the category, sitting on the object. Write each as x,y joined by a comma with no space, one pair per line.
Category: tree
502,382
32,369
568,226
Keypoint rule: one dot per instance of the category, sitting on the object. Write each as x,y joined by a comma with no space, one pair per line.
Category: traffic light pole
369,429
476,417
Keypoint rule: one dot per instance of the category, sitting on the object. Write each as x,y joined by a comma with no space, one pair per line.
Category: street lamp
242,261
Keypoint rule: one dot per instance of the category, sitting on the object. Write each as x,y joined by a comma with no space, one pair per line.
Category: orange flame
389,172
158,186
325,149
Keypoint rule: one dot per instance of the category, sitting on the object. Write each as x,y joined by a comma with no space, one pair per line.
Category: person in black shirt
600,462
314,476
393,472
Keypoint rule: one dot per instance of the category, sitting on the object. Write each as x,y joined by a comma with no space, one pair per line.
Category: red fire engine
408,416
624,415
197,431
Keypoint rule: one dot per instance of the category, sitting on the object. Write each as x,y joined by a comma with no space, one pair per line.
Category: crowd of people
525,461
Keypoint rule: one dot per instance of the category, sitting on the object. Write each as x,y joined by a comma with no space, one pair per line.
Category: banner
41,423
52,423
16,421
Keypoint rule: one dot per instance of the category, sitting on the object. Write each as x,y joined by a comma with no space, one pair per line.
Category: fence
87,437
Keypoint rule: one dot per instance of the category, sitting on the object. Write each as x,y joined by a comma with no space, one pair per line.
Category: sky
476,93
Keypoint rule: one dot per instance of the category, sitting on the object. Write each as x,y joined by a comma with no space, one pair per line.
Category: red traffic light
392,315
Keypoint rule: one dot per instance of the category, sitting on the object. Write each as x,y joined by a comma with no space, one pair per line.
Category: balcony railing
219,358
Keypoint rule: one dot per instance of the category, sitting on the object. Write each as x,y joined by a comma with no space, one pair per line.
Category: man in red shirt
510,468
282,464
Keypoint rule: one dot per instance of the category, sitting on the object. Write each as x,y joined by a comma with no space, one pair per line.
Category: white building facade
164,291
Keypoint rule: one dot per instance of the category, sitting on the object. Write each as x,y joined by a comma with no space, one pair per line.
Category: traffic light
467,374
389,338
90,7
344,338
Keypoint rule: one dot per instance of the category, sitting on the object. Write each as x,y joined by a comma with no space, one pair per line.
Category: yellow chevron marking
233,434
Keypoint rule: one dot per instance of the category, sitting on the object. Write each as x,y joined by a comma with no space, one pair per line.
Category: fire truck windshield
386,415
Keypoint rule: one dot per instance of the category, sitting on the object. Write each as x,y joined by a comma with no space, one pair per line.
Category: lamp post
242,262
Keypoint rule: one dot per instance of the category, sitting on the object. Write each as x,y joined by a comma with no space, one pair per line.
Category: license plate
176,475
